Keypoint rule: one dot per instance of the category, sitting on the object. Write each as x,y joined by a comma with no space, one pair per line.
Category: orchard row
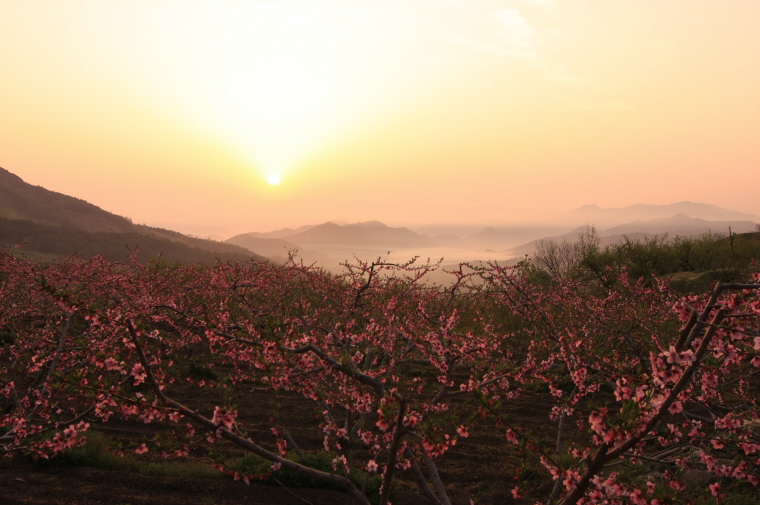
632,369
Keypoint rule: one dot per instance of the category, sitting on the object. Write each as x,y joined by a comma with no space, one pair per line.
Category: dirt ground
481,467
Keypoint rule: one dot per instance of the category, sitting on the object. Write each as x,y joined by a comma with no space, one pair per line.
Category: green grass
94,454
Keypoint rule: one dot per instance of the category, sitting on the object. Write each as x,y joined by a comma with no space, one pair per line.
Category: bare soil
484,467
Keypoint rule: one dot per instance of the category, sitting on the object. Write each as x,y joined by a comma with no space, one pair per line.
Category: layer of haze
254,115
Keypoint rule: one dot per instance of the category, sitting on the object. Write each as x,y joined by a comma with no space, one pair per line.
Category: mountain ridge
37,204
53,224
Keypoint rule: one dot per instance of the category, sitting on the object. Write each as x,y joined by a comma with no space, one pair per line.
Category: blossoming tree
85,340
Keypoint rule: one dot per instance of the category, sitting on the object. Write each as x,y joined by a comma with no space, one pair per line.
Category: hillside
52,224
681,224
20,200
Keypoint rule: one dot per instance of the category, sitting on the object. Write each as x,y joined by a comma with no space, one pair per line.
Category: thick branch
603,456
390,467
245,443
437,482
419,479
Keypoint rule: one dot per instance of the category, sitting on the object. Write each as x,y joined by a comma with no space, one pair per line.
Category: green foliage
181,469
201,372
251,464
693,262
8,213
95,453
6,337
749,498
641,258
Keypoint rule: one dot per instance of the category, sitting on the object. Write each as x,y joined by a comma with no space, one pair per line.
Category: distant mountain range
679,224
53,225
373,237
607,218
317,242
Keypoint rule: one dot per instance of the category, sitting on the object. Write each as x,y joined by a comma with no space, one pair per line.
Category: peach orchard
632,370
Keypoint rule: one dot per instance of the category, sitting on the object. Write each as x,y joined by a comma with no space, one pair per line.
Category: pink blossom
597,422
342,461
383,424
672,355
678,486
224,418
129,410
637,498
675,407
138,372
714,488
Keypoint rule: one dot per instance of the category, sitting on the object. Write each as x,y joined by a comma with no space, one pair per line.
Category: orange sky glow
254,115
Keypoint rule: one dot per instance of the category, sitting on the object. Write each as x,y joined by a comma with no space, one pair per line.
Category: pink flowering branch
607,452
245,443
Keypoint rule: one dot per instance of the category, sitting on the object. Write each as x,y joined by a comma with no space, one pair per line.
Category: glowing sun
274,179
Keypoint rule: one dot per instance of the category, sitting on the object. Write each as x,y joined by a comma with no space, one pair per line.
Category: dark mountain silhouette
368,234
20,200
53,224
283,233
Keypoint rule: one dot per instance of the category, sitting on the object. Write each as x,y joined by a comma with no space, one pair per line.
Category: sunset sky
254,115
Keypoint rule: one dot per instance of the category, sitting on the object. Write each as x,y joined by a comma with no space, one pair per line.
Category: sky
256,115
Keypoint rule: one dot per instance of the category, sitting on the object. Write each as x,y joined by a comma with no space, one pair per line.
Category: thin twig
291,492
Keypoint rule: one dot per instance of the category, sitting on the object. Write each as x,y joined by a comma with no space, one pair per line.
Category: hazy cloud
515,30
502,31
540,3
602,105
